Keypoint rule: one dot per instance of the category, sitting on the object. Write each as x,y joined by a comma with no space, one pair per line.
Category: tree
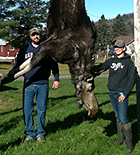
118,27
103,34
5,22
4,8
18,16
137,54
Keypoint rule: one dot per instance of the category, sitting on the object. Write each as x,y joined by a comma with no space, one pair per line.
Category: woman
120,84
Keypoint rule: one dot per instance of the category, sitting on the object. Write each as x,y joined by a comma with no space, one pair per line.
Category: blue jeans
119,108
41,94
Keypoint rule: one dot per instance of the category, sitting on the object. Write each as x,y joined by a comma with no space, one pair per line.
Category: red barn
6,50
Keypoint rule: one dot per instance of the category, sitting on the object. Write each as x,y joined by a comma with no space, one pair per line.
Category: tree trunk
137,53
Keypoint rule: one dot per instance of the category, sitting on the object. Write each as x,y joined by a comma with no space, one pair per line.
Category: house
131,48
6,50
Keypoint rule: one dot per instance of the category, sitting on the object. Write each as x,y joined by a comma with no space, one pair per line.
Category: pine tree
5,19
103,34
118,27
18,16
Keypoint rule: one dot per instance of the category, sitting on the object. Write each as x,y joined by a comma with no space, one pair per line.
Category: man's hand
56,84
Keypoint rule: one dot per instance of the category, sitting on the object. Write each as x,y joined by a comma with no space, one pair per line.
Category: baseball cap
119,43
34,30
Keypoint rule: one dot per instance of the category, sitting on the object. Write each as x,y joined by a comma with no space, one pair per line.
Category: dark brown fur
70,40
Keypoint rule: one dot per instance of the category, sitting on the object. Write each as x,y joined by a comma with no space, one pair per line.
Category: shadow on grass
3,68
9,124
4,88
54,101
104,103
61,97
101,93
4,147
5,62
8,112
132,112
132,115
111,129
133,92
135,133
71,120
75,119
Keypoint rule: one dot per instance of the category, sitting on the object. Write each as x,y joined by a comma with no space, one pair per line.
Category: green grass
63,68
68,130
6,66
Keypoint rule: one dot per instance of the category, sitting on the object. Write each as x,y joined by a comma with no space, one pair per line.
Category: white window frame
2,48
11,48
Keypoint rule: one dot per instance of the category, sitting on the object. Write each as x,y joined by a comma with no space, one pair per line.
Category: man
36,84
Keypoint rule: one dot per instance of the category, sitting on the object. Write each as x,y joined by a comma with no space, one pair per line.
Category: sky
109,8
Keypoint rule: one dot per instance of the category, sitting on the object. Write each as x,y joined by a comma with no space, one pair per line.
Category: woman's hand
121,97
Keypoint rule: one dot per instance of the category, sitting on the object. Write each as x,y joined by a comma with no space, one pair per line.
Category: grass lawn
6,66
68,130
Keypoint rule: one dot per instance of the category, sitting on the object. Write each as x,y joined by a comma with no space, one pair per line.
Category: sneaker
27,138
40,138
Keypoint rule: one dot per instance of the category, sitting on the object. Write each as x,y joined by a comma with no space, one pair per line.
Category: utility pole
137,54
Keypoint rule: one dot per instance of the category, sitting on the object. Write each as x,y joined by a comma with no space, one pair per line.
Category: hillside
129,23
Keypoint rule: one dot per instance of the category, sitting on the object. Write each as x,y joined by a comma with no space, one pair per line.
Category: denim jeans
40,92
119,108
